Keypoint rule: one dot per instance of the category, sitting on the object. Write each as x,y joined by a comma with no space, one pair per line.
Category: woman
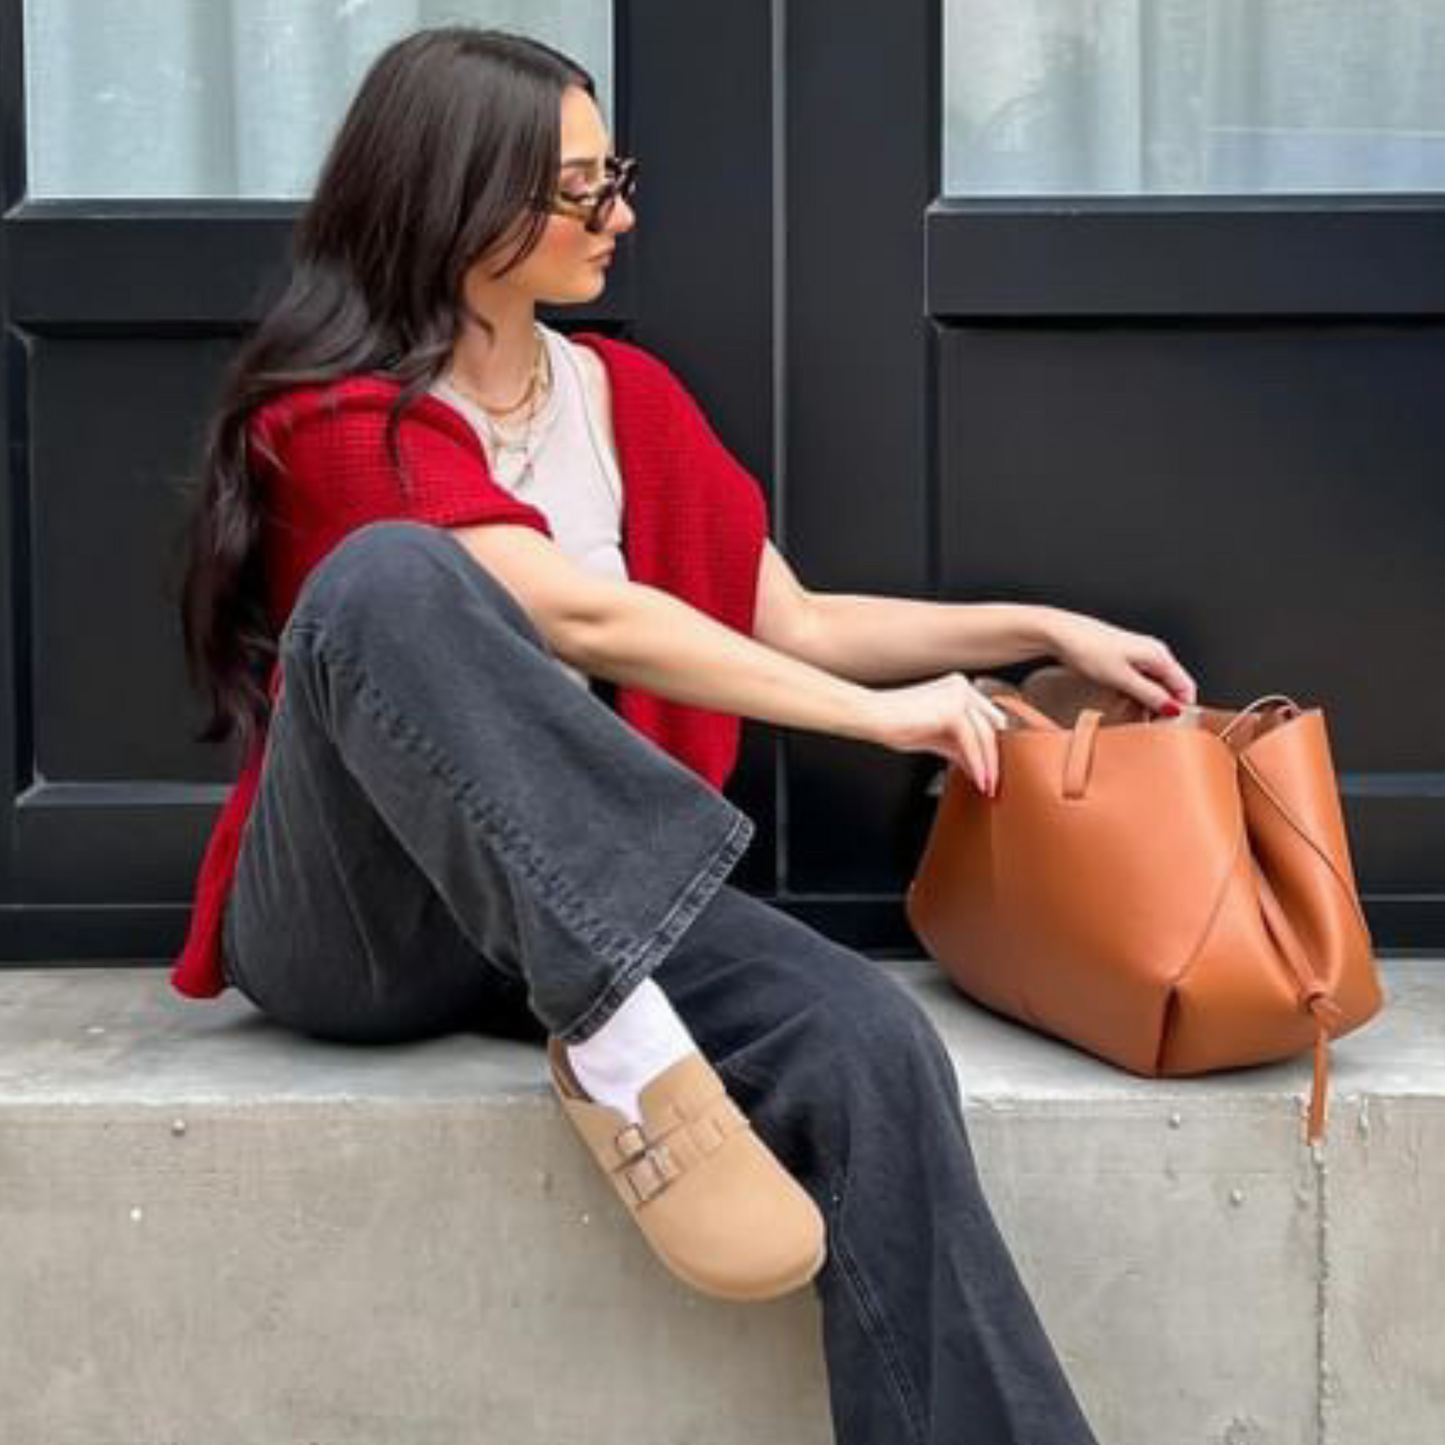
484,604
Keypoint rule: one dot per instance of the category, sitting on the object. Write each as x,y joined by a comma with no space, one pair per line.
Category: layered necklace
504,440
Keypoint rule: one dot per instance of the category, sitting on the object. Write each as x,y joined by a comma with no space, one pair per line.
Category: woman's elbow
590,626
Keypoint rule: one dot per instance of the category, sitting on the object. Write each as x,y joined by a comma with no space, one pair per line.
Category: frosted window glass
1089,97
232,98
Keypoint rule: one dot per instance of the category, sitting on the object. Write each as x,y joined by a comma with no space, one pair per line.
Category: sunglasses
594,205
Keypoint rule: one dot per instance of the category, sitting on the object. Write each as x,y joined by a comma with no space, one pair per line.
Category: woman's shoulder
594,369
627,365
359,392
355,407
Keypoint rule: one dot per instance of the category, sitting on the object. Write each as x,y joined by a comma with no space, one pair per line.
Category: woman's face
567,264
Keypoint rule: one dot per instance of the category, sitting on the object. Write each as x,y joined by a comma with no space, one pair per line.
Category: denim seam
653,949
878,1332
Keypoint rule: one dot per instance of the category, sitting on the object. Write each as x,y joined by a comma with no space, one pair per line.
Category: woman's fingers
1165,680
977,736
1180,684
989,735
972,746
947,716
992,711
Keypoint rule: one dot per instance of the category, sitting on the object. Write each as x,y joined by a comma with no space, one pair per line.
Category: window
231,98
1093,97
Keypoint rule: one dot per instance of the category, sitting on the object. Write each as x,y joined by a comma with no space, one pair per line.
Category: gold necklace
504,439
539,360
500,442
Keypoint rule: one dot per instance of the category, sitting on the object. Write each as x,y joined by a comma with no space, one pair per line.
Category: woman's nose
622,217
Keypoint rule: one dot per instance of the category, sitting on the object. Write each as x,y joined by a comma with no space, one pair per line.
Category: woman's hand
948,716
1133,662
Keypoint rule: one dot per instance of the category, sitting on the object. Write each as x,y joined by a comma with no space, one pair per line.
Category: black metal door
118,318
1215,420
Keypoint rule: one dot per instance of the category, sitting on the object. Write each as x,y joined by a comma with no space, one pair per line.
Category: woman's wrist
1050,627
649,639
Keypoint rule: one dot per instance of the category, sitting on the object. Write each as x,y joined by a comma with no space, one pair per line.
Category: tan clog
710,1197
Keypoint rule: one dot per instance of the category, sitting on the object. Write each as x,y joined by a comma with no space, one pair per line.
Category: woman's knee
863,1038
860,1062
850,1012
888,1032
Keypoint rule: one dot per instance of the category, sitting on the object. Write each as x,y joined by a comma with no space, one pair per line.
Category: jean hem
656,946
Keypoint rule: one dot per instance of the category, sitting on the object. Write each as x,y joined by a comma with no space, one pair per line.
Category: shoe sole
777,1291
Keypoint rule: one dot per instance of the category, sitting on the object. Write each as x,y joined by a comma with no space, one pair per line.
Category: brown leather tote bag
1174,896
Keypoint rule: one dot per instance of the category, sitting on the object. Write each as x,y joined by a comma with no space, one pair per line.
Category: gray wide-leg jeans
450,834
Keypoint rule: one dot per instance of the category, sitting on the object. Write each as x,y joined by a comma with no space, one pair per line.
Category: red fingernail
1171,709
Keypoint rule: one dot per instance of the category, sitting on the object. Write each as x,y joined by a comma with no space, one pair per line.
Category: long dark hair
453,134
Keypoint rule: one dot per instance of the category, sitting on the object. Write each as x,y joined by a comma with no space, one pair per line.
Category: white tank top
574,480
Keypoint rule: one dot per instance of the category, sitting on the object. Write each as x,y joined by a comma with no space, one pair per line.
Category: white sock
643,1037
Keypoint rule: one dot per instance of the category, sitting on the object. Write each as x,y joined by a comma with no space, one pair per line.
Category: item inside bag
1061,694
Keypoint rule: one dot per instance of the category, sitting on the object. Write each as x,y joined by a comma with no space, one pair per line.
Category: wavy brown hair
453,135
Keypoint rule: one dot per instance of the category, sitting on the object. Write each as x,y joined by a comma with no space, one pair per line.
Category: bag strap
1258,703
1011,702
1026,712
1278,804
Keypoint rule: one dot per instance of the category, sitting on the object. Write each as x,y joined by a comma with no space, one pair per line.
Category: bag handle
1078,761
1259,702
1011,702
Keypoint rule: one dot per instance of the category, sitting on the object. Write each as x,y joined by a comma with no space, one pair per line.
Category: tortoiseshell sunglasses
594,205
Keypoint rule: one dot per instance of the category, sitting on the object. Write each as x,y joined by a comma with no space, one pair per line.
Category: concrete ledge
216,1233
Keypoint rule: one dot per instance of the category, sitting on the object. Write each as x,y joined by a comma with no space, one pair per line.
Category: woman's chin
585,288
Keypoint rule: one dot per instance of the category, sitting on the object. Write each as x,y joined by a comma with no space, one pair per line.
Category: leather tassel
1321,1084
1321,1006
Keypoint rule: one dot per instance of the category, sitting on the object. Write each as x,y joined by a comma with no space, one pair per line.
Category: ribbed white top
574,479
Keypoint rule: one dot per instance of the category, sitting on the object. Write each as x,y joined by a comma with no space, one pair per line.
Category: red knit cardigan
693,524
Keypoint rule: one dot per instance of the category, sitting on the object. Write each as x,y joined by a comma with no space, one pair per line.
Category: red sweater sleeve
734,495
320,457
334,474
694,525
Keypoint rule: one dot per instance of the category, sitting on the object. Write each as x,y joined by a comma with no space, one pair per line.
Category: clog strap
648,1159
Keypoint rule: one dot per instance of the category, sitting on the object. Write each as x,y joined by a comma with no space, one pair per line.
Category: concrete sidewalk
214,1232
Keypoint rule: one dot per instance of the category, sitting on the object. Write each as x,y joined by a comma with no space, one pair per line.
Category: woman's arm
640,636
893,639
